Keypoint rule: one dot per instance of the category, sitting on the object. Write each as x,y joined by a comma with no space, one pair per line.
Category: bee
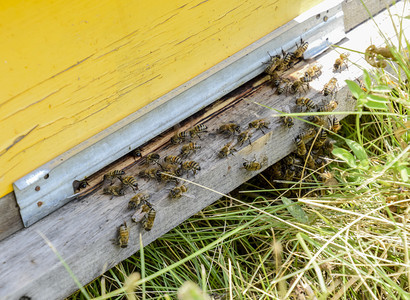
300,146
288,58
137,153
226,150
191,165
252,165
150,173
318,120
330,87
321,139
290,172
259,124
331,106
310,162
148,219
275,79
80,184
334,124
298,85
114,190
320,164
314,71
138,200
300,49
229,129
130,181
177,191
165,176
307,134
179,137
196,130
123,235
306,102
287,121
273,64
339,62
244,136
152,158
172,159
277,171
189,148
141,211
283,86
110,176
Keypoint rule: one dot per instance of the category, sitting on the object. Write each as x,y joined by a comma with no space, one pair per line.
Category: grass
346,237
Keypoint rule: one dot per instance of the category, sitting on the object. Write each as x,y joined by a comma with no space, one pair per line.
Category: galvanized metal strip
50,186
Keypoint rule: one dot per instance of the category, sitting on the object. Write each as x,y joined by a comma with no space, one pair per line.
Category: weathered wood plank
82,230
10,220
70,66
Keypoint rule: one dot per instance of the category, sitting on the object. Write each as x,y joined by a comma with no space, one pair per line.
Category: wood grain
10,220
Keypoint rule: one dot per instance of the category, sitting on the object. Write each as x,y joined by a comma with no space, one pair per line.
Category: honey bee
330,106
138,200
310,162
123,235
190,165
275,79
300,146
334,124
137,152
110,176
314,71
299,86
152,158
273,64
172,159
189,148
259,124
179,137
277,171
130,181
287,121
151,173
229,129
283,86
244,136
339,62
167,176
330,87
252,165
290,172
300,49
226,150
114,190
288,58
148,219
318,120
196,130
141,211
80,184
305,102
307,134
177,191
321,139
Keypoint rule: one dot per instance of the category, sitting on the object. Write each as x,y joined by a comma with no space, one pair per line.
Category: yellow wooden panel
70,69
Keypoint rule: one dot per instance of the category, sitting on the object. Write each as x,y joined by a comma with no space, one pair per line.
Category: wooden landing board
83,230
70,69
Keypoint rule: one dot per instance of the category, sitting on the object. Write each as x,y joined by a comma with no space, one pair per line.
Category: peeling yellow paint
70,69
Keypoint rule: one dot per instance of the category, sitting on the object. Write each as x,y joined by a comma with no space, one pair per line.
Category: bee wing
138,215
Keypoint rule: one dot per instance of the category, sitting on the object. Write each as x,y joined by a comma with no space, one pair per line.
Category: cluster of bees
171,167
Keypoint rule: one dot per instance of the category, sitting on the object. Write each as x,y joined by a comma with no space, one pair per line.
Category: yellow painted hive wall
70,69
